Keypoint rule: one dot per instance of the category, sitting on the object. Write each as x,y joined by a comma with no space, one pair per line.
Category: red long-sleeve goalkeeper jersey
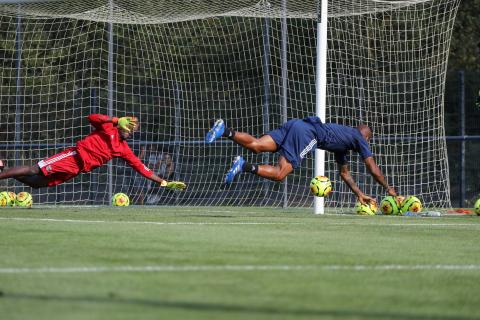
104,144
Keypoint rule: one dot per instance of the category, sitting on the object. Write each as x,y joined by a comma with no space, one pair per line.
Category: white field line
237,223
198,268
145,222
352,223
152,208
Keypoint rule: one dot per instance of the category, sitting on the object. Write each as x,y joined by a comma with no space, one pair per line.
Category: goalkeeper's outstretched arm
175,185
126,123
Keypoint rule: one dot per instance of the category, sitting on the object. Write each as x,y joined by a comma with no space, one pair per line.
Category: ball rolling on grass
120,200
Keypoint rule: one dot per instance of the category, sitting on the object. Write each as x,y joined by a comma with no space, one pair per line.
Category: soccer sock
228,133
248,167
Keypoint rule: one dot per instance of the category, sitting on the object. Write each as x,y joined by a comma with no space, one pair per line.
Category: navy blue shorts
295,140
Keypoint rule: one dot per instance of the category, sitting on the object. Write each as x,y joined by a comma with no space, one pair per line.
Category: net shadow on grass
219,307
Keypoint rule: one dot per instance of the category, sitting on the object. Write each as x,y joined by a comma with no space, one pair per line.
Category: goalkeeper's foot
1,165
216,131
236,168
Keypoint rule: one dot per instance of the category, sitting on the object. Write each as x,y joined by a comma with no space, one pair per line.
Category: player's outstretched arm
174,185
378,175
126,123
347,177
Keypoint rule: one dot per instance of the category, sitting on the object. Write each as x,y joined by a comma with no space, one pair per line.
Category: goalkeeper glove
128,123
174,185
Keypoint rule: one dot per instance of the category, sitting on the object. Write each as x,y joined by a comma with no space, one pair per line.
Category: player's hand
174,185
399,199
364,199
391,192
128,123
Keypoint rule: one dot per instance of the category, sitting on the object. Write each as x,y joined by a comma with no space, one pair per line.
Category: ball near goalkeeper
107,141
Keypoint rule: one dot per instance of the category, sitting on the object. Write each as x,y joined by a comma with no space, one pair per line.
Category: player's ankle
228,133
252,168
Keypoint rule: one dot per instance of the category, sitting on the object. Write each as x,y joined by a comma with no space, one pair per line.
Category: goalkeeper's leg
30,176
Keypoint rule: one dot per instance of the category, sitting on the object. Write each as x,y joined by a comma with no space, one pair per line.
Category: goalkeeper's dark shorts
295,140
61,167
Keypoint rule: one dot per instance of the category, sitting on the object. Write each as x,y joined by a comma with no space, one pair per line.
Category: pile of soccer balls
24,199
10,199
321,186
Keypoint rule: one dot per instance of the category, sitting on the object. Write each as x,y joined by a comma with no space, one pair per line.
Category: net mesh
179,65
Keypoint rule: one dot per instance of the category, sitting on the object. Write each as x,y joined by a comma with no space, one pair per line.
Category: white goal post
179,65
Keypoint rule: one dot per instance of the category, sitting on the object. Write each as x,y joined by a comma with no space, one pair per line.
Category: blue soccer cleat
216,131
236,168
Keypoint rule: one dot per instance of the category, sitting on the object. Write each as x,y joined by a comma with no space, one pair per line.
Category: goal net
179,65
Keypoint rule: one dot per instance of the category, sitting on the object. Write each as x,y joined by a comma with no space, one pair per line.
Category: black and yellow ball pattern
412,204
389,206
366,209
24,199
7,199
321,186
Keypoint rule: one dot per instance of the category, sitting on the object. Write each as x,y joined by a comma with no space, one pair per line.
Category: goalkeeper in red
107,141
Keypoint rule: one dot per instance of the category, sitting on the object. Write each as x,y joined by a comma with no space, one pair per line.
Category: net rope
179,65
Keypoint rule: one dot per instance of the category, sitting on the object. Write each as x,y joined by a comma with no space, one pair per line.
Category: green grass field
235,263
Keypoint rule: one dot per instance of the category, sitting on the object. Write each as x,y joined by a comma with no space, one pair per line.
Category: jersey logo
308,148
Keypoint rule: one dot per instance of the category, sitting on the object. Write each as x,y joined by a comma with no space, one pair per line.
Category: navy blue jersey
340,139
297,138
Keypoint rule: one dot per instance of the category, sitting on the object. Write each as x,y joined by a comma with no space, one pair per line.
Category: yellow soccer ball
7,199
477,207
120,200
369,209
389,206
321,186
24,199
412,204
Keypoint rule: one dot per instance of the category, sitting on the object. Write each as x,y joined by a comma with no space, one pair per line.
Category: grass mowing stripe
195,268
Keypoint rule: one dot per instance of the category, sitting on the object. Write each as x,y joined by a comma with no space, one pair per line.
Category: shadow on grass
239,309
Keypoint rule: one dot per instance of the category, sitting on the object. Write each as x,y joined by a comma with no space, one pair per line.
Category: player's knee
33,170
255,147
280,175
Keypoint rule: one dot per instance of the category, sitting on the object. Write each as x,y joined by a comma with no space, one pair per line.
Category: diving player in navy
297,138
